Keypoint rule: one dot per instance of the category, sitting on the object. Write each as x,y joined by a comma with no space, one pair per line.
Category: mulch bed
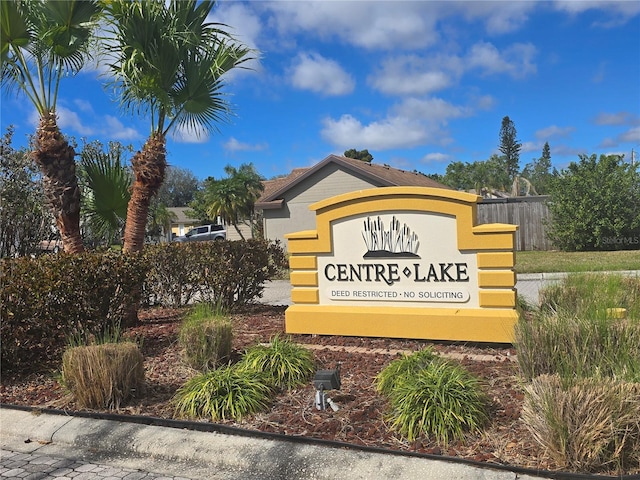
361,417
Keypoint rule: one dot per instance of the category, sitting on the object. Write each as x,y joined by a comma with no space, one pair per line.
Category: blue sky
419,84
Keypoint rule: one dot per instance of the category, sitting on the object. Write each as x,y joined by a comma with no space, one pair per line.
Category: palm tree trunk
55,158
149,167
238,230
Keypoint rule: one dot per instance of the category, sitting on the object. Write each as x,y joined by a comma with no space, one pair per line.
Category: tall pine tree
510,147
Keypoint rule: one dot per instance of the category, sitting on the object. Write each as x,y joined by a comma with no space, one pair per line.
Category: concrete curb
196,454
524,277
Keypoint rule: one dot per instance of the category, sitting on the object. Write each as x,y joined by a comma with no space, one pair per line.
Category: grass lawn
555,261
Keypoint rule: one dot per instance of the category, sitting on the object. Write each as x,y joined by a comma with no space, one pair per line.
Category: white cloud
83,105
619,118
392,132
530,147
183,134
372,25
420,75
311,71
516,60
244,25
554,131
499,17
408,75
234,145
436,157
69,120
117,131
632,135
432,109
484,102
616,12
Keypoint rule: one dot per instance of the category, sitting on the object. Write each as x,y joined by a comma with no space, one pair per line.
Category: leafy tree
486,175
438,177
232,198
539,172
179,187
168,61
23,220
596,205
363,155
510,147
42,42
107,182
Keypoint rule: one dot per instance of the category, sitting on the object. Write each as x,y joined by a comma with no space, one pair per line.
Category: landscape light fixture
326,380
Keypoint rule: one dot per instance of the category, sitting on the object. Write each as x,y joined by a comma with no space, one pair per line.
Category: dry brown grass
103,376
587,426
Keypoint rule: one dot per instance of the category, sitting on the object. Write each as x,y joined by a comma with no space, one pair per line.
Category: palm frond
168,60
108,185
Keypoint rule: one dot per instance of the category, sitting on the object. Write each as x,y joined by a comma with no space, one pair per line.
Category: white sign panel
409,257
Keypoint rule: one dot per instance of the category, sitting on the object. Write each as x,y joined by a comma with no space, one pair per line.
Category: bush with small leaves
44,301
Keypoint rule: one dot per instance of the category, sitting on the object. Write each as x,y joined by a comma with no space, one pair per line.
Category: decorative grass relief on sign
393,243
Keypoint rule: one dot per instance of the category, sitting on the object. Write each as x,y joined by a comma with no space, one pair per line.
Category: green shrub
595,205
229,273
395,372
103,375
589,425
206,336
46,300
441,399
283,363
222,394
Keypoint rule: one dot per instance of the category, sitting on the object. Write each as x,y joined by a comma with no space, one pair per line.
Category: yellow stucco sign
403,262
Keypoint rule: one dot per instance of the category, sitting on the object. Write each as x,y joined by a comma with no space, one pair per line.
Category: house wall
295,215
245,229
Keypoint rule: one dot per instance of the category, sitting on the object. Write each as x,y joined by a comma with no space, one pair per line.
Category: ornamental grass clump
439,399
582,365
393,373
225,393
590,425
283,363
583,342
103,375
591,295
206,336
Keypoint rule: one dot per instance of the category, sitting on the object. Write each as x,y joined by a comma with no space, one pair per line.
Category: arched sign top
372,193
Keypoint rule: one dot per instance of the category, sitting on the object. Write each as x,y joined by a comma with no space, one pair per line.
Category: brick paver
34,466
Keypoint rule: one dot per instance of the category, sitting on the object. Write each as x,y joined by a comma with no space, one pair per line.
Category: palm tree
167,61
41,43
225,200
160,220
107,190
233,198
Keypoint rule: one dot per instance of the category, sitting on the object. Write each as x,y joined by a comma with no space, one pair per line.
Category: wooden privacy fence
529,213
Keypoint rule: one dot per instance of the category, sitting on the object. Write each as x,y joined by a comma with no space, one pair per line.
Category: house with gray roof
285,201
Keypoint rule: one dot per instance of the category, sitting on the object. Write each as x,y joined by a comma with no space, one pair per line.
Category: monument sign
404,262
